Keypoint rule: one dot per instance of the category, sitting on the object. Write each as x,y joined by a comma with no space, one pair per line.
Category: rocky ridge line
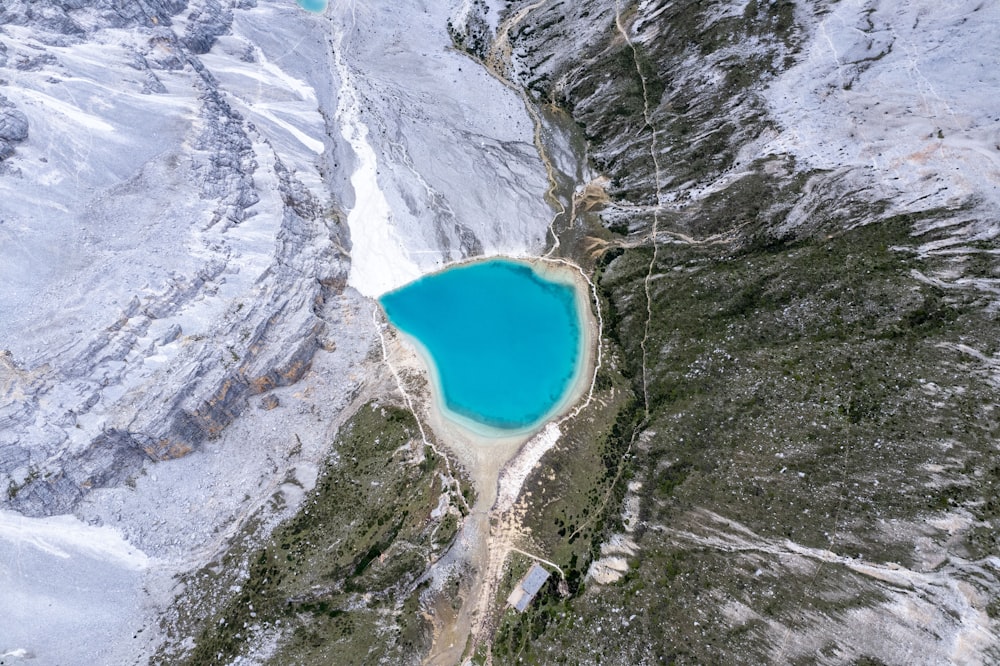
106,387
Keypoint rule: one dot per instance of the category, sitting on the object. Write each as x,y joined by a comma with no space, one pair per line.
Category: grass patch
329,581
798,386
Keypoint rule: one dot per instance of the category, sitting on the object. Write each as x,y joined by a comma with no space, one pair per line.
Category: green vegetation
821,394
803,388
338,582
806,361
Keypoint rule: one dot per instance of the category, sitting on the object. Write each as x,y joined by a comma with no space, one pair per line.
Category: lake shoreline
496,461
558,272
481,449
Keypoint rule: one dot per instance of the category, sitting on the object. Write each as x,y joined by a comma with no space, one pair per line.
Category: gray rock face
13,127
68,17
112,459
424,122
13,124
205,23
696,80
199,333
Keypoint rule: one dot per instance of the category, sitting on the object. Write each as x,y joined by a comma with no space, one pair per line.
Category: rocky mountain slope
180,185
788,211
801,285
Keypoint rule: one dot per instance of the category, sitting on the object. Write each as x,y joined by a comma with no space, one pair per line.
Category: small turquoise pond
504,341
317,6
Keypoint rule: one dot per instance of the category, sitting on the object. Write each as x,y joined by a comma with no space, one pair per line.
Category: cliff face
167,262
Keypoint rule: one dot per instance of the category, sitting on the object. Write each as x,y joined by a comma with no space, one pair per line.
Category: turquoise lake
313,5
504,341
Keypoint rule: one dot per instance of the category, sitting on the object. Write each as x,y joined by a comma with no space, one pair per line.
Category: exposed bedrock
173,252
13,127
878,105
688,70
80,17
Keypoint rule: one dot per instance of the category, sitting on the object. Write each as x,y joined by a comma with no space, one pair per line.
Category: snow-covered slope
199,200
63,581
900,91
173,214
445,167
168,251
182,188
